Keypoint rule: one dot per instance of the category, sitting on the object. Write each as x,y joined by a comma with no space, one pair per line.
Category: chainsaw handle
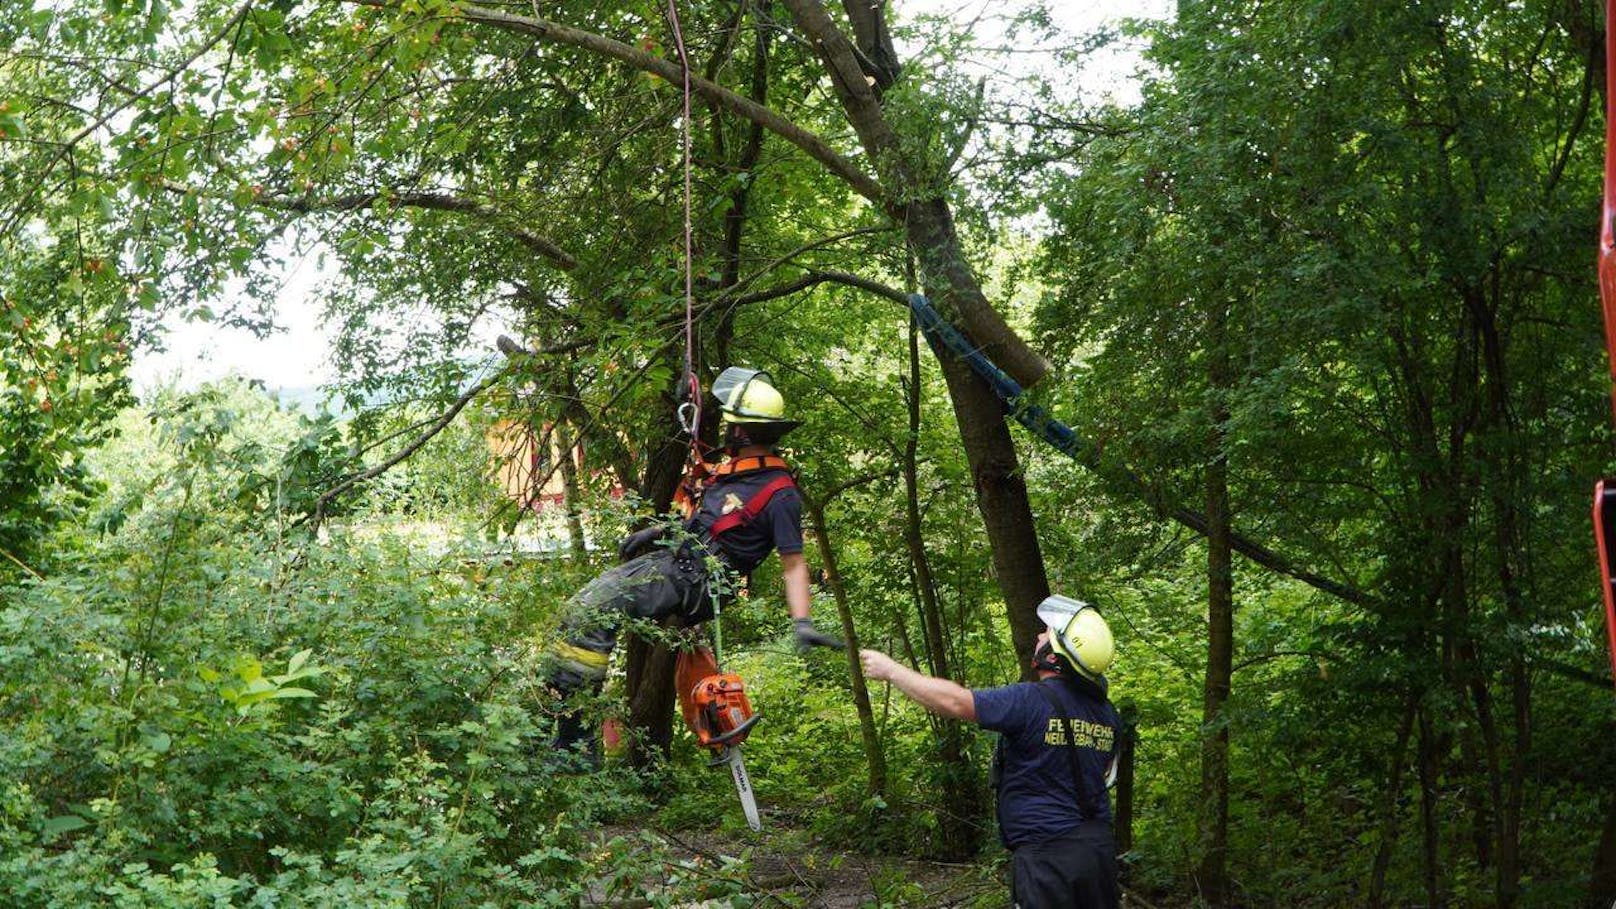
722,744
739,732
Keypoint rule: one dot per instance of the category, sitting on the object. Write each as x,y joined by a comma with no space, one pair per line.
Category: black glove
638,543
809,636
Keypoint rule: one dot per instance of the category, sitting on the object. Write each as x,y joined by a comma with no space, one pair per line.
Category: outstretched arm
794,568
799,598
940,696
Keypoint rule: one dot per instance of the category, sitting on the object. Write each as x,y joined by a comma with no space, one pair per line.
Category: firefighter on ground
1054,814
748,508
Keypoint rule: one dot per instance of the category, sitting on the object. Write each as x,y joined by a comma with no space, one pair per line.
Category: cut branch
542,245
437,426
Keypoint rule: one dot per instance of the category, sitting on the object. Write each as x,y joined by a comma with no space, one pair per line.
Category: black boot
575,747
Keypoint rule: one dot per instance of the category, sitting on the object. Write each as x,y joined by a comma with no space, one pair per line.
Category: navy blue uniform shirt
777,528
1037,799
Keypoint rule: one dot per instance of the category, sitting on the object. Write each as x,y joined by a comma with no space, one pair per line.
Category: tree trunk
1506,487
562,442
1389,814
1001,493
650,666
961,828
1127,747
1214,798
1001,498
650,700
875,759
1602,882
1430,836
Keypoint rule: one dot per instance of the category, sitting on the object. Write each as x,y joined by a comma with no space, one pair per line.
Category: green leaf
62,823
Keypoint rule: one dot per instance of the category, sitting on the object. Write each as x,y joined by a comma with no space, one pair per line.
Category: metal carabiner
686,414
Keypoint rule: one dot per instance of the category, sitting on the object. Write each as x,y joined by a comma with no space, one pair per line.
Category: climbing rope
690,408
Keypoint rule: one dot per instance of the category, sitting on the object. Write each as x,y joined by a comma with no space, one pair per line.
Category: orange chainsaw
716,709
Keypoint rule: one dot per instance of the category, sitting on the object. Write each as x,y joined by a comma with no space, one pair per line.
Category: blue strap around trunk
1035,418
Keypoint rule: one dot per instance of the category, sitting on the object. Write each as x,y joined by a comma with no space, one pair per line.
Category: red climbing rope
693,386
690,408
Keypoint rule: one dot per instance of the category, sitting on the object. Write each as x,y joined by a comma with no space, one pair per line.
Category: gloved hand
638,543
809,636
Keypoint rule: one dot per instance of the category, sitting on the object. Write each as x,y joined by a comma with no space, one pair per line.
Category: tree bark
874,757
1505,485
876,56
1127,750
1389,814
961,830
650,666
570,497
1602,882
1001,498
1430,835
945,273
1213,871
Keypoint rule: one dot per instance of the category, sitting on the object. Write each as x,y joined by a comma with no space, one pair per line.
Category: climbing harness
714,702
758,501
1604,511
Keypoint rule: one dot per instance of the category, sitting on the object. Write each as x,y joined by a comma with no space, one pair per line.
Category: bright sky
295,356
298,354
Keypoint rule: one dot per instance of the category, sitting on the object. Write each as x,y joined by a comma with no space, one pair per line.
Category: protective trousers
1076,871
658,585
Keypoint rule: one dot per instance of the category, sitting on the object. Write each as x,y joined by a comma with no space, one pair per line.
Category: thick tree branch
668,70
542,245
947,276
864,479
876,54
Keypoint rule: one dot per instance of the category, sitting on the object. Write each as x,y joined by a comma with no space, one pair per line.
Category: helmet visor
1057,611
731,388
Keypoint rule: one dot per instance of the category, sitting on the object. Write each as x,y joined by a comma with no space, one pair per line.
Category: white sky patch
1108,75
298,354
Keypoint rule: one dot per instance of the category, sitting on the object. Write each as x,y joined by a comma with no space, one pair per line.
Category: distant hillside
308,399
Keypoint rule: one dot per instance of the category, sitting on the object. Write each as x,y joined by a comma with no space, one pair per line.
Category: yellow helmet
748,397
1078,632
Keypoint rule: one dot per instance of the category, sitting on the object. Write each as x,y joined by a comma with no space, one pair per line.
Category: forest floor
788,869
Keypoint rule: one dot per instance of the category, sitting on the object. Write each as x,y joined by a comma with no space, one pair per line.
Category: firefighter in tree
747,508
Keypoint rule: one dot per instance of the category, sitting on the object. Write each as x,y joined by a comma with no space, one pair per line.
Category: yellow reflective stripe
582,655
